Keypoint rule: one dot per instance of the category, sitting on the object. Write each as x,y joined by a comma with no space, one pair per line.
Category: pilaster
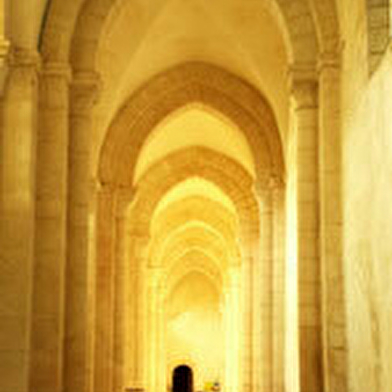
83,96
154,328
122,274
304,88
262,277
232,312
104,281
278,282
331,241
51,230
246,327
17,216
136,301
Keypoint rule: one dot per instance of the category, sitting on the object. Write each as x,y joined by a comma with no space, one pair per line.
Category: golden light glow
195,182
194,326
195,125
195,186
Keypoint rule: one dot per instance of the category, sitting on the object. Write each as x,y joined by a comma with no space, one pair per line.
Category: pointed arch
184,84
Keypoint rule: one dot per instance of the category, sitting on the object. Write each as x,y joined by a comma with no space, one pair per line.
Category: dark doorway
182,379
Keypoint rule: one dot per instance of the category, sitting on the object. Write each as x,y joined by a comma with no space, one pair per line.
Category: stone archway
256,121
125,138
193,82
70,237
86,83
209,165
84,23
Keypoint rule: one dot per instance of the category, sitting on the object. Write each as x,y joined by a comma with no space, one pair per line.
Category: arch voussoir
192,82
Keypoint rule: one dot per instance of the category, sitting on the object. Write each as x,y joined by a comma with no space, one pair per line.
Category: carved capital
22,71
85,91
269,182
305,94
57,71
24,58
303,83
276,182
329,60
102,188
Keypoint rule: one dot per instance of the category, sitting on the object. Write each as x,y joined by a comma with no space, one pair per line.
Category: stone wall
368,235
367,189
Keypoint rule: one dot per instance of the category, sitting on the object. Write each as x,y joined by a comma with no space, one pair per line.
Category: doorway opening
182,379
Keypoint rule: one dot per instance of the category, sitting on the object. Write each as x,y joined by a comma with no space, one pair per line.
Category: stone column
103,329
246,315
154,329
262,296
121,282
305,94
47,329
84,90
17,217
232,327
278,283
334,326
136,336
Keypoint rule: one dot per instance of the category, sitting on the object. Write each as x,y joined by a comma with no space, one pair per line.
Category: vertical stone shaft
278,265
104,291
154,314
331,227
17,218
232,328
310,343
246,320
78,275
262,298
51,231
135,305
122,276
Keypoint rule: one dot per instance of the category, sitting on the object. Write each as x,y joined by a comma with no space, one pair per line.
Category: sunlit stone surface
195,196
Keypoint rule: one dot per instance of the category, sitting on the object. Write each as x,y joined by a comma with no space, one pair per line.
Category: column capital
328,60
24,58
25,63
57,70
268,181
303,85
102,188
276,182
270,184
85,90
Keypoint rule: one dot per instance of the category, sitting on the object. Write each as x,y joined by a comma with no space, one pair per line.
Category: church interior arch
175,174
